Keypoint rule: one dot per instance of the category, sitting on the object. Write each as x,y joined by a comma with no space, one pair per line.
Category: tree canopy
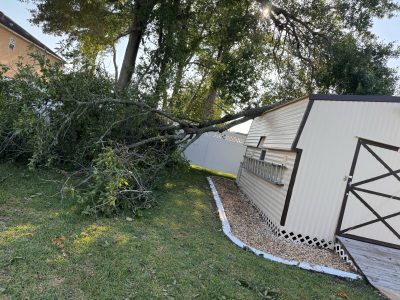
203,57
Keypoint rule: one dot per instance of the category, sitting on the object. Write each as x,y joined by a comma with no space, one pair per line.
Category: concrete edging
303,265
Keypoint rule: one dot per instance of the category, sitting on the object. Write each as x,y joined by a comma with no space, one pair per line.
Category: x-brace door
371,205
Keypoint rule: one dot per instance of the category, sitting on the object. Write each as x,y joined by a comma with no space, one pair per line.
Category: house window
262,156
11,43
261,142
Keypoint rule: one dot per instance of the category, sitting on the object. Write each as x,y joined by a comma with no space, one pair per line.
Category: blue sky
386,29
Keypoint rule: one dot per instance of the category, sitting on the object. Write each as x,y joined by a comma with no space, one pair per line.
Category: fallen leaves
342,295
263,292
58,242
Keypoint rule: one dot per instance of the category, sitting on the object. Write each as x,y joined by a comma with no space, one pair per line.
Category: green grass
176,250
214,172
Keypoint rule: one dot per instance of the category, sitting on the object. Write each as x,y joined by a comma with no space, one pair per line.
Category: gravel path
248,225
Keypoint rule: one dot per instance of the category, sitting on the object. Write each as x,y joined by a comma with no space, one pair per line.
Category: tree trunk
161,87
178,80
208,107
141,17
164,34
114,53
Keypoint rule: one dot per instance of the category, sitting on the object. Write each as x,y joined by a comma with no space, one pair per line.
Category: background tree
218,54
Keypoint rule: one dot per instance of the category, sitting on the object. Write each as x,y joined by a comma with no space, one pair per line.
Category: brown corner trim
347,190
303,123
291,186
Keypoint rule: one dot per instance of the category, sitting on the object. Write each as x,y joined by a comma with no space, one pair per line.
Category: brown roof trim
356,98
12,26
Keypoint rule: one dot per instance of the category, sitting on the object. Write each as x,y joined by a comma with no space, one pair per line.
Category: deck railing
268,171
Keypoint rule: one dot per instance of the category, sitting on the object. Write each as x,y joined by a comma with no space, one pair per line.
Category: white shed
327,165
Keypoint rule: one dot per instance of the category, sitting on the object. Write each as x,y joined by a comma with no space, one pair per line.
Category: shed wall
328,141
280,126
268,197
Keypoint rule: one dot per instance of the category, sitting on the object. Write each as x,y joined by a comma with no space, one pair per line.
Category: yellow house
16,44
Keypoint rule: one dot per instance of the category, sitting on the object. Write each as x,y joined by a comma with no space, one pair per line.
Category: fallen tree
113,146
190,67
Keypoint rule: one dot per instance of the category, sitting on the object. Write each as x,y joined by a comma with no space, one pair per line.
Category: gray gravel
249,225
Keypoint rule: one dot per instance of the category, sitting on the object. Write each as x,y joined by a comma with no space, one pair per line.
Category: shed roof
330,97
12,26
358,98
333,97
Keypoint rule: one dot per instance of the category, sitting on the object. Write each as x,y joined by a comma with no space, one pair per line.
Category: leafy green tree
203,58
358,69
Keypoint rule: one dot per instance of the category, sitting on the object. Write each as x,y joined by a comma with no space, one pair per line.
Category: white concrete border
303,265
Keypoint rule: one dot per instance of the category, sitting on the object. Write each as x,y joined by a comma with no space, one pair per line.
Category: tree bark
161,88
178,80
141,18
114,53
208,106
162,58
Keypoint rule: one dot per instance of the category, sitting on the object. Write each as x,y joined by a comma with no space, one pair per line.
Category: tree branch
190,128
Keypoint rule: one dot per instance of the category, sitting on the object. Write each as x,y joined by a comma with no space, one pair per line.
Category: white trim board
302,265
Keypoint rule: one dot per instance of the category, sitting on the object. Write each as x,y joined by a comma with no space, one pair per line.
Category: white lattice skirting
295,237
344,255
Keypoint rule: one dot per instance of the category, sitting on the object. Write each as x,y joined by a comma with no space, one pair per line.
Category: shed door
371,205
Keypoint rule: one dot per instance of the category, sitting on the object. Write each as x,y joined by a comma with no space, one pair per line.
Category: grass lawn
175,251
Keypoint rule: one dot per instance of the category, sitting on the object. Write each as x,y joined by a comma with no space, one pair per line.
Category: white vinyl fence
218,151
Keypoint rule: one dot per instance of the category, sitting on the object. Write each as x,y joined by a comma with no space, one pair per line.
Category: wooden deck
379,264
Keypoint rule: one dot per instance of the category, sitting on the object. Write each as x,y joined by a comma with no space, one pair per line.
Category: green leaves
358,68
95,25
202,58
115,184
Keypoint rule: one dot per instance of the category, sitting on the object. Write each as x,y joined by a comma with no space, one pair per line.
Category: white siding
268,197
328,141
280,126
